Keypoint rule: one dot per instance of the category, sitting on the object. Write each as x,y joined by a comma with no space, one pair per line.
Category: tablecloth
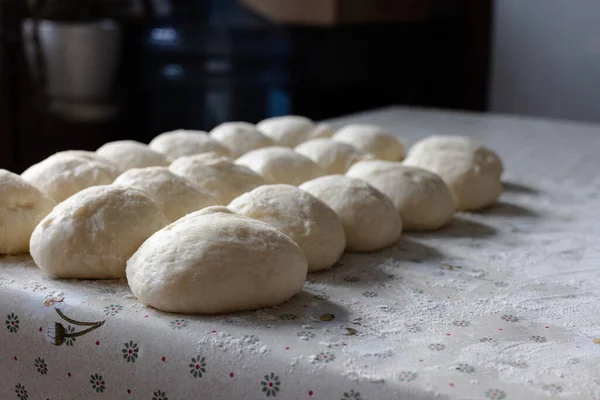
502,304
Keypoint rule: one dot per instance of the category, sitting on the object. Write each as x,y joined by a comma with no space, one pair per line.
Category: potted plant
73,48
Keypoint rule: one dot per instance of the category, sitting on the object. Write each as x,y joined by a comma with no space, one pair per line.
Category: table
502,304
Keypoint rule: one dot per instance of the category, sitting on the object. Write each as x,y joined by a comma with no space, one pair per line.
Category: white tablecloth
503,304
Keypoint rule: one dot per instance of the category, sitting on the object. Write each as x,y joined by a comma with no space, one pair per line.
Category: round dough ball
281,165
214,262
370,220
221,177
175,195
323,130
93,233
288,131
471,171
129,154
332,156
182,142
305,219
22,207
240,137
422,198
372,139
63,174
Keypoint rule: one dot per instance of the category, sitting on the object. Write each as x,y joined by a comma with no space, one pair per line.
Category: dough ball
214,262
175,195
324,131
422,198
288,131
372,139
22,207
221,177
181,142
93,233
129,154
63,174
281,165
471,171
370,220
305,219
240,137
332,156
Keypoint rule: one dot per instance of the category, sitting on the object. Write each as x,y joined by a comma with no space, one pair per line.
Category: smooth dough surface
240,137
93,233
221,177
370,220
305,219
182,142
281,165
129,154
22,207
332,156
63,174
471,171
175,195
422,198
213,262
372,139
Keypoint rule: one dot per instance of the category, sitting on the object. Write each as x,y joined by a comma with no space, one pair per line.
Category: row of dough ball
420,197
325,228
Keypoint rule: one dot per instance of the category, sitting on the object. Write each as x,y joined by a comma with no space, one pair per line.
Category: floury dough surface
22,207
240,137
65,173
307,220
420,196
332,156
220,176
174,195
183,142
471,171
370,220
128,154
499,303
213,262
93,233
281,165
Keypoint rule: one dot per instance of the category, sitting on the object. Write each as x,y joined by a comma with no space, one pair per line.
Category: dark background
222,62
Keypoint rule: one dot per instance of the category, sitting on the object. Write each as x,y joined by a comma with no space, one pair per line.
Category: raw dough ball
288,131
221,177
372,139
281,165
332,156
186,143
93,233
471,171
291,130
63,174
129,154
421,197
305,219
213,262
175,195
370,220
240,137
22,207
321,131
